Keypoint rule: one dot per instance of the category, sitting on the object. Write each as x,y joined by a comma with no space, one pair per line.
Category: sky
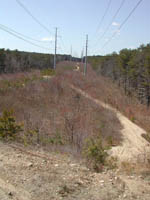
75,19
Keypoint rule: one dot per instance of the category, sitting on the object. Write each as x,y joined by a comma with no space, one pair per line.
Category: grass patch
48,72
146,137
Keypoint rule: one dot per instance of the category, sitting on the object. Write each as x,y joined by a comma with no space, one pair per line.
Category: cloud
106,39
115,24
117,31
47,39
100,31
2,39
132,47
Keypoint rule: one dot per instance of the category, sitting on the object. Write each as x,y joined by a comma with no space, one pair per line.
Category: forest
129,68
16,61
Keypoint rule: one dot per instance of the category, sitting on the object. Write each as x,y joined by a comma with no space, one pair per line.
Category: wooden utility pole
55,49
71,53
82,55
85,64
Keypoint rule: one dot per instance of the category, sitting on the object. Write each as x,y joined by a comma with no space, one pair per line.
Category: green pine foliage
48,72
96,153
130,68
9,128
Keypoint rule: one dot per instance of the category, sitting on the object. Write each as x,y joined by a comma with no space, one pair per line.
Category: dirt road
134,147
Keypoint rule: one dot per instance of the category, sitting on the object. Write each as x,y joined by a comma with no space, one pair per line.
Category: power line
123,23
35,19
25,36
62,43
105,13
113,18
21,38
32,16
139,2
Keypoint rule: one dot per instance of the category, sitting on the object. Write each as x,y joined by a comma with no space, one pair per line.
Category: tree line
16,61
130,68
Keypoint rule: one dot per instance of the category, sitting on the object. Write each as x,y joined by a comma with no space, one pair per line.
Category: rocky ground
36,174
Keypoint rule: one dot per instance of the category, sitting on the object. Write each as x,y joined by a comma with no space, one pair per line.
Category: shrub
55,140
8,126
48,72
132,119
29,136
96,153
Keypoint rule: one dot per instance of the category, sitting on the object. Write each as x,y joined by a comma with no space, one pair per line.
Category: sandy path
134,147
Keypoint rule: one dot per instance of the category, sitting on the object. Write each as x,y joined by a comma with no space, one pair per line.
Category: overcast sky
75,19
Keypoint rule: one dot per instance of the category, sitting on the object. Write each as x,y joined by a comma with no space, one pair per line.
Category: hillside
133,145
78,137
130,68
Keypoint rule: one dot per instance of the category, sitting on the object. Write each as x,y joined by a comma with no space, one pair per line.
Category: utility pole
82,55
85,64
71,53
55,49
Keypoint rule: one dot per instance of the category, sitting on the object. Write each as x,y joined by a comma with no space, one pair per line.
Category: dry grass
54,115
105,90
109,92
57,117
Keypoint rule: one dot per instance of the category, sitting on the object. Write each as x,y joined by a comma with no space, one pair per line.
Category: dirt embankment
28,174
